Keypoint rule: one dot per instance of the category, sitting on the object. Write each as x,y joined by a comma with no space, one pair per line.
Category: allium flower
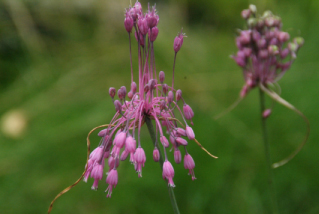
265,53
150,99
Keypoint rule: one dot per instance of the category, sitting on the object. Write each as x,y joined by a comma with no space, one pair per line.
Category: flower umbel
265,53
150,99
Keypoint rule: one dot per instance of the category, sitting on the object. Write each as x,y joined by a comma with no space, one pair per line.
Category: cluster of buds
150,99
264,51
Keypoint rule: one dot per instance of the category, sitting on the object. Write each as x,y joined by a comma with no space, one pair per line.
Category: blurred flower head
264,50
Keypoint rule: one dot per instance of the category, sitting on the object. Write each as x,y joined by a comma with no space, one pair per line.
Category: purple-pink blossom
149,98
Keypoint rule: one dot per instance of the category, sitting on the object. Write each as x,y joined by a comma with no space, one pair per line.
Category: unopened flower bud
112,92
252,22
178,94
181,131
156,154
253,8
165,88
190,133
133,87
245,37
118,106
188,112
178,41
177,156
299,41
151,18
162,105
153,35
121,94
170,97
124,90
152,84
181,141
142,25
161,76
245,13
164,141
273,49
128,22
284,53
130,95
293,47
138,7
124,155
146,88
266,113
283,36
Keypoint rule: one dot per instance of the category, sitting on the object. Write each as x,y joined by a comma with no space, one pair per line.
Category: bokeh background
58,59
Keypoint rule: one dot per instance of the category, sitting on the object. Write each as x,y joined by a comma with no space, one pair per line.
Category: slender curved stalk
170,189
267,153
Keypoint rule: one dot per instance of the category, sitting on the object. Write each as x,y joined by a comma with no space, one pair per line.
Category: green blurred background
58,59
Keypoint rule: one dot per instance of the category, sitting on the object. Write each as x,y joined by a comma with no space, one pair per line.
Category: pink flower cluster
263,51
152,99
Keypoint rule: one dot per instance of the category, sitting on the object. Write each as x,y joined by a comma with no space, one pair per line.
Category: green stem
170,189
267,153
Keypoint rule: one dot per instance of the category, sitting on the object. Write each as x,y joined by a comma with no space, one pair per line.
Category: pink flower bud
102,133
130,144
245,13
133,87
266,113
181,141
151,18
177,156
284,53
190,133
168,173
124,90
142,25
178,94
283,36
128,22
156,154
170,97
162,105
124,155
138,8
97,172
165,88
139,158
189,164
152,84
121,94
146,88
130,95
118,106
112,92
112,179
161,76
120,139
181,132
188,112
153,35
245,37
178,41
164,141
